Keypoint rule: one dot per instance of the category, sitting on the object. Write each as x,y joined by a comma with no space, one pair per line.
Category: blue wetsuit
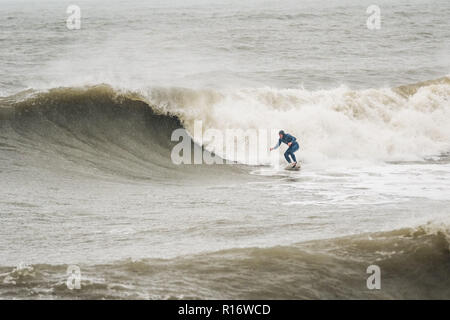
292,148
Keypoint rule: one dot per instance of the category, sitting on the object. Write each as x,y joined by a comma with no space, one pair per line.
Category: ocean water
87,180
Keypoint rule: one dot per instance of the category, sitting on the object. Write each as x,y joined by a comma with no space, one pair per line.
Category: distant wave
414,263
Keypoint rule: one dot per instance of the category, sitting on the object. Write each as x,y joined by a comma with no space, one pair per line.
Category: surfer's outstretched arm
276,146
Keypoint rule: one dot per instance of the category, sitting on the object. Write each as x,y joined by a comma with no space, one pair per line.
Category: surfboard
290,168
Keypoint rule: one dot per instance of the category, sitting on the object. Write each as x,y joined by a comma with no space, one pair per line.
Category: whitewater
87,179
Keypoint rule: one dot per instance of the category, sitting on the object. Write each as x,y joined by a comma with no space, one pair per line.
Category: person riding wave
291,141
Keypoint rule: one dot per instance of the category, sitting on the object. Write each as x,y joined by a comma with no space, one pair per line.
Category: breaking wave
405,123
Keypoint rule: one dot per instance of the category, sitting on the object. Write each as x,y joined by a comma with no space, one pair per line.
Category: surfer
291,141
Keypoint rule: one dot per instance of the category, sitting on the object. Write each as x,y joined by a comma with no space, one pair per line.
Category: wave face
414,264
109,131
404,123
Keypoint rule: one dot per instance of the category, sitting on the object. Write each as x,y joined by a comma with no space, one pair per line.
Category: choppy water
86,177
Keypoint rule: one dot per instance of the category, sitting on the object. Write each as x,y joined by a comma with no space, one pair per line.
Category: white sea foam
338,124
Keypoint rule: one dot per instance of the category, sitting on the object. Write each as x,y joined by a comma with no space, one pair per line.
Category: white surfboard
291,168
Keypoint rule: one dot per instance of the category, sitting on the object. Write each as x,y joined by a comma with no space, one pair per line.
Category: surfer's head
281,134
